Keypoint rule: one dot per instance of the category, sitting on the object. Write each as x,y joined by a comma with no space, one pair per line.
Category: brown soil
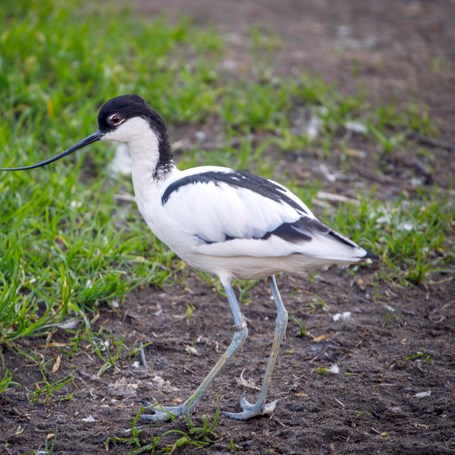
402,50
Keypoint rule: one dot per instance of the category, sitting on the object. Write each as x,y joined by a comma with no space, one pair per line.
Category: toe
245,404
252,410
162,413
269,408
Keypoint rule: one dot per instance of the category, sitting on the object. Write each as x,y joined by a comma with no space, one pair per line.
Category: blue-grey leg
261,407
161,413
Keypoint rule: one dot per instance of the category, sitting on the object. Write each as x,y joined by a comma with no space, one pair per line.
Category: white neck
142,141
143,145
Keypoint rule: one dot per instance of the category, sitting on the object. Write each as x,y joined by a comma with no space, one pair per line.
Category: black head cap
121,108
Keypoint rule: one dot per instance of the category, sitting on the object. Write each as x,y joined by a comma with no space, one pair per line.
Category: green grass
187,435
427,358
410,235
106,348
45,391
6,381
67,244
302,328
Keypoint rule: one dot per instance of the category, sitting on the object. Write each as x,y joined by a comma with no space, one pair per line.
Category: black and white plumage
238,225
229,223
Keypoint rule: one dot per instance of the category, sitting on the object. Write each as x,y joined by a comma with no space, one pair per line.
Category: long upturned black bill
96,136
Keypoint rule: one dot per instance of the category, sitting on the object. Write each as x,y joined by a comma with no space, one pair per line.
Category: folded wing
234,213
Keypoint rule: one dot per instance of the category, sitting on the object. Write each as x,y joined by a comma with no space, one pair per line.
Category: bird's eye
115,119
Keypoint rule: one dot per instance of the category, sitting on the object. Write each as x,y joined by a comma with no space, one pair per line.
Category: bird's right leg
260,407
161,413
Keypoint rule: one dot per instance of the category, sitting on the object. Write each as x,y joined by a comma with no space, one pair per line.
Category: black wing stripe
342,238
302,230
236,179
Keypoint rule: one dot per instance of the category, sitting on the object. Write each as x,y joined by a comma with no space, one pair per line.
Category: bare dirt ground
379,403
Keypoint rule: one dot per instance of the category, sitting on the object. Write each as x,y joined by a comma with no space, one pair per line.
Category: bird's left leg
261,407
161,413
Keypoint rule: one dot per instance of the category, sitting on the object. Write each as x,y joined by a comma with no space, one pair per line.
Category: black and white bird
229,223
